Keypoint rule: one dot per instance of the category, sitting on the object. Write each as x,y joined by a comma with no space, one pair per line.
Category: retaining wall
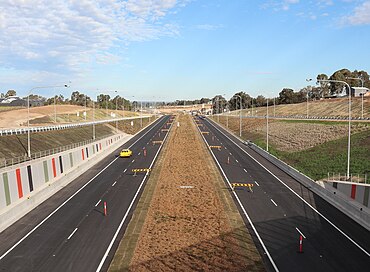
26,185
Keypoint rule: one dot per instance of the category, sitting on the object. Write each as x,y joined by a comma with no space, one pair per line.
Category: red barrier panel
353,191
19,183
54,167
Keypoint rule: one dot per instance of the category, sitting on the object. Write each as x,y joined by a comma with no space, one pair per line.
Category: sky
163,50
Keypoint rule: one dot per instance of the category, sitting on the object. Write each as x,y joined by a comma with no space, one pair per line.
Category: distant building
359,91
15,101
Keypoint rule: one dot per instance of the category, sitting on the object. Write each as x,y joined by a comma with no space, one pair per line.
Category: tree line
289,96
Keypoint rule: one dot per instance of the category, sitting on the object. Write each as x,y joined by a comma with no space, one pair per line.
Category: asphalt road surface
278,210
69,231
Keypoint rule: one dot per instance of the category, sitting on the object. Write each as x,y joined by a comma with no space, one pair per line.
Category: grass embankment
330,157
100,114
9,108
12,146
316,147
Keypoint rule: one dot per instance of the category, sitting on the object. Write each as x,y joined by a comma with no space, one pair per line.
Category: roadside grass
9,108
321,122
330,157
12,146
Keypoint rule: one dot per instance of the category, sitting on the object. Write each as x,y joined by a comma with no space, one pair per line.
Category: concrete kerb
351,208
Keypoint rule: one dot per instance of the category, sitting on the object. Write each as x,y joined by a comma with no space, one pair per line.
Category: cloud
208,27
64,36
279,5
361,15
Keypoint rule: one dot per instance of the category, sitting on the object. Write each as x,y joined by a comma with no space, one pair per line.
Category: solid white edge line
68,199
242,207
69,237
129,208
301,198
97,203
273,202
300,233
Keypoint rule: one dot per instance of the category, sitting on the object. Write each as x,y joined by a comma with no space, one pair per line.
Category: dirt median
191,222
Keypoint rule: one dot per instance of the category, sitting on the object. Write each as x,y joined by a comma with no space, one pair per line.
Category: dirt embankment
192,223
293,136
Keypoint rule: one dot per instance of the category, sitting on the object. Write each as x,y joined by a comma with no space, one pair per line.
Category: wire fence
353,178
44,153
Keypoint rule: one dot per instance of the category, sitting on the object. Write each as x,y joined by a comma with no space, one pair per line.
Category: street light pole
240,115
267,126
349,118
362,95
308,80
28,114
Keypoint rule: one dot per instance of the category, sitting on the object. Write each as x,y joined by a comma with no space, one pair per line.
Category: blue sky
184,49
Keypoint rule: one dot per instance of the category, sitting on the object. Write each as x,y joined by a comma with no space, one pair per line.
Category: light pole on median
28,114
349,118
362,95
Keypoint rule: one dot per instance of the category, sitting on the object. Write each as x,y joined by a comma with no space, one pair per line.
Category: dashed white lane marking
245,170
237,161
256,183
300,233
69,237
97,203
230,154
133,160
139,154
114,183
273,202
124,170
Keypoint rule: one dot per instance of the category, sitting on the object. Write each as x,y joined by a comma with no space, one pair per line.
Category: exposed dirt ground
195,228
45,115
326,107
293,136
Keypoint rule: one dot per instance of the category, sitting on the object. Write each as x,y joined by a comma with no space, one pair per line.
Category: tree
218,104
234,102
204,100
10,93
286,96
260,101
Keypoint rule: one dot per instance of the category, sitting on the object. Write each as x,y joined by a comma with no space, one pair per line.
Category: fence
361,179
4,132
44,153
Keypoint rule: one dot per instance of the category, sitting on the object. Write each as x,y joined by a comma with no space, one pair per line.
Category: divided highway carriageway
278,211
69,231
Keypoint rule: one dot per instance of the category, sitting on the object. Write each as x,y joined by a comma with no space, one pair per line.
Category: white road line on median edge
128,209
273,202
97,203
242,207
300,233
68,199
301,198
69,237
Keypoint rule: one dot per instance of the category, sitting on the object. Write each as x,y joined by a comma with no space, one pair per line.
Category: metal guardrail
4,132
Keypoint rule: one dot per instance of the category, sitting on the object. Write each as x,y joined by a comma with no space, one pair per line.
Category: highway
277,210
69,231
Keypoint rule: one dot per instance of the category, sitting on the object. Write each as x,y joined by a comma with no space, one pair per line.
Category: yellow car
125,153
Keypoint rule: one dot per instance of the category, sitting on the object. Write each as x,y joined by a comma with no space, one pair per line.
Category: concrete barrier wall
357,192
29,180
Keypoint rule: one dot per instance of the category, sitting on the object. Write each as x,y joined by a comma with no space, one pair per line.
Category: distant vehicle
125,153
